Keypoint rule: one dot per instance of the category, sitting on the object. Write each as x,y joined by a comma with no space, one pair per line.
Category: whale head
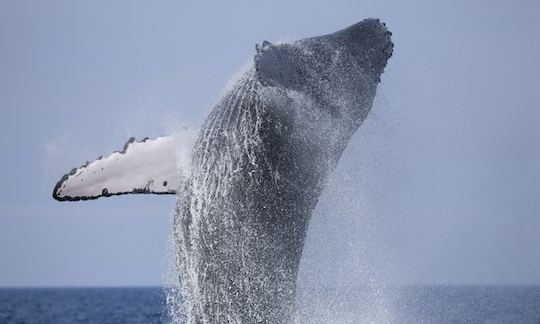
338,71
335,76
367,44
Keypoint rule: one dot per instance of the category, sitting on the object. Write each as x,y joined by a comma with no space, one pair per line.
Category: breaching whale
257,168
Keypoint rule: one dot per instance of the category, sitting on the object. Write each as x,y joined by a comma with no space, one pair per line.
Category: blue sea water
412,304
82,305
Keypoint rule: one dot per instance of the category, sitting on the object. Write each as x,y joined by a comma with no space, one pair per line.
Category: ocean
410,304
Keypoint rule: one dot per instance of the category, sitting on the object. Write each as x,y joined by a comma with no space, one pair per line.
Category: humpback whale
257,168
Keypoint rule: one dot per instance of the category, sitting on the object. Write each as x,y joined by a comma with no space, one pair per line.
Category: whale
256,170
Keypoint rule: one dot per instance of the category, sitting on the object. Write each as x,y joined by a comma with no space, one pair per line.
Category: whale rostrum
257,168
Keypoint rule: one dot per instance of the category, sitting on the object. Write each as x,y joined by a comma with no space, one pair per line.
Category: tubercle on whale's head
369,41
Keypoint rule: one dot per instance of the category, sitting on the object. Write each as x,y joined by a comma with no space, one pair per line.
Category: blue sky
440,185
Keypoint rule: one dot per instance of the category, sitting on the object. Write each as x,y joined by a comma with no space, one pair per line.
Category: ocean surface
411,304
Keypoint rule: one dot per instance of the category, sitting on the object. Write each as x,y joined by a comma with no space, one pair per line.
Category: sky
439,186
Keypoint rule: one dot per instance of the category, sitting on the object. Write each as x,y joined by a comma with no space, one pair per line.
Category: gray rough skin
259,165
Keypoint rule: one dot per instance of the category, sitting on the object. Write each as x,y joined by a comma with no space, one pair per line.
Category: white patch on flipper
149,166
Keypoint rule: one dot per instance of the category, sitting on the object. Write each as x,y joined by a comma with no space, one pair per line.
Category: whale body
257,168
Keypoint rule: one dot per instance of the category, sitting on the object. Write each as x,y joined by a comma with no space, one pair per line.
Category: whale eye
164,183
104,192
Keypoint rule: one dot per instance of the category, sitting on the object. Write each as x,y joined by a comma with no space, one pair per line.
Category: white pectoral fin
148,166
